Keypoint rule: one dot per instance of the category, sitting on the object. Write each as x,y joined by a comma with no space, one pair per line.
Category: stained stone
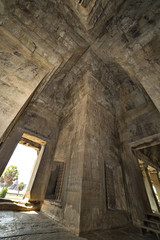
82,77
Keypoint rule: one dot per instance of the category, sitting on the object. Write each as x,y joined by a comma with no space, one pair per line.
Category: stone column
93,199
70,150
101,150
88,141
138,203
28,193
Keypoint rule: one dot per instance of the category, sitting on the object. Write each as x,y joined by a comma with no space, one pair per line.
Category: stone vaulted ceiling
42,41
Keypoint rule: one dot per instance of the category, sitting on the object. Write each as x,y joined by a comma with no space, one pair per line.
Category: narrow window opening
55,185
84,3
115,195
59,183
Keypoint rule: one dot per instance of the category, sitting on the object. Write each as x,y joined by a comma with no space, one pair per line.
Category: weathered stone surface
28,226
83,76
18,206
31,225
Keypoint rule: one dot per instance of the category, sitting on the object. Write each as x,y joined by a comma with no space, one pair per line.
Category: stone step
9,205
151,224
153,216
150,229
52,209
152,221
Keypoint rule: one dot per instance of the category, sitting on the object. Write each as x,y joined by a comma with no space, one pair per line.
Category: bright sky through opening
24,158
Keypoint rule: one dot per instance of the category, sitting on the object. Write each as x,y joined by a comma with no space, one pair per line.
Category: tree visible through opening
16,176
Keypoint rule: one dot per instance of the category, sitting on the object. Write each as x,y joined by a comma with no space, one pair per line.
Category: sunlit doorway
20,171
148,159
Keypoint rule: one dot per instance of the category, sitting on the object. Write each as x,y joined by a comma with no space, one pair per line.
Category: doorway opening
21,168
148,159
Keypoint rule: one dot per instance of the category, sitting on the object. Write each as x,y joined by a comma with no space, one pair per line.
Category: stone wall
88,143
88,73
100,152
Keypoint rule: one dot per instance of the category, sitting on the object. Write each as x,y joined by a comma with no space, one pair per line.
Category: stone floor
35,225
128,233
31,225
